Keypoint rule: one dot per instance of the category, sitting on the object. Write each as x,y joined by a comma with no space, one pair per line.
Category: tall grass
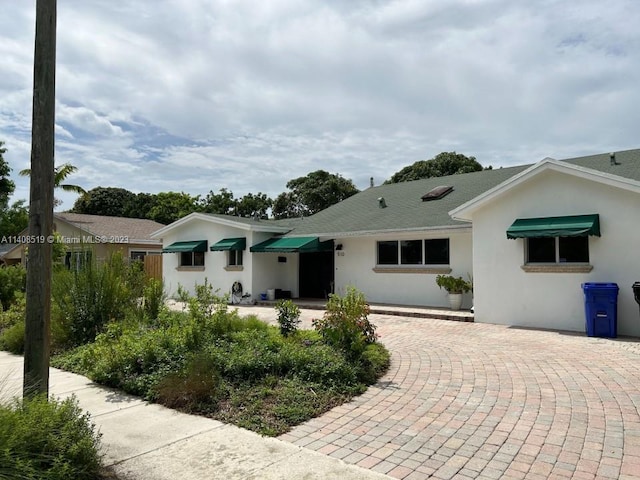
50,440
89,297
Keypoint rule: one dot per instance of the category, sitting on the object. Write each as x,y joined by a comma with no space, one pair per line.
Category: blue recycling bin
601,309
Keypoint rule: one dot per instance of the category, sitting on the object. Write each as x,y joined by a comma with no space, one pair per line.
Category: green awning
292,245
572,226
229,244
193,246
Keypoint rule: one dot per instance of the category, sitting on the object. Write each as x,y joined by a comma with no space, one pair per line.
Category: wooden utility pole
39,262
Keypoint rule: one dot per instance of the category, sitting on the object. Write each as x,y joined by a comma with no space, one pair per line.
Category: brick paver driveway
464,400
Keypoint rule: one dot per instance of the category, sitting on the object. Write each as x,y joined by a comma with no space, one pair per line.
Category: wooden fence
153,266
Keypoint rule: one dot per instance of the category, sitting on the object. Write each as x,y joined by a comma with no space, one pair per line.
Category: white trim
465,211
371,233
259,226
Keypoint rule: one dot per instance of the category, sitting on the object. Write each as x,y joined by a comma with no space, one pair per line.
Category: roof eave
369,233
465,211
219,221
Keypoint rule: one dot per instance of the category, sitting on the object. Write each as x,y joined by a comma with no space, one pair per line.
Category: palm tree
61,172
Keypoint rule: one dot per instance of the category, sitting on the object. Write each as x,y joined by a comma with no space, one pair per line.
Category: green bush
12,338
153,298
89,297
212,361
47,440
288,317
345,324
197,387
12,325
12,281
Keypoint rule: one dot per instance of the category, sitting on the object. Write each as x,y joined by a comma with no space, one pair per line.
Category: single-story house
529,236
7,257
101,236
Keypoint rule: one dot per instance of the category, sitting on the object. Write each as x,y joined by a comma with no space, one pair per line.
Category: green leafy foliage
109,201
14,219
345,324
47,440
312,193
153,298
89,297
288,317
12,282
453,284
209,360
443,164
12,326
6,186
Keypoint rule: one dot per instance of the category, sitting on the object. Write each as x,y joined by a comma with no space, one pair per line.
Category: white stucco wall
505,294
214,262
268,273
356,261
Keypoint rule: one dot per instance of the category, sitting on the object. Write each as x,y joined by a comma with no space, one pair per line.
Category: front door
316,274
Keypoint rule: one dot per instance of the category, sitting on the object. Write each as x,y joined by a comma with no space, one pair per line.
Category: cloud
195,95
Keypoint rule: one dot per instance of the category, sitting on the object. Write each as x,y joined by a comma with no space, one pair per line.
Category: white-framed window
557,250
192,259
234,258
413,252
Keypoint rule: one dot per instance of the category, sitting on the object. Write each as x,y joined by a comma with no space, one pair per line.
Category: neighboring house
392,240
9,254
87,235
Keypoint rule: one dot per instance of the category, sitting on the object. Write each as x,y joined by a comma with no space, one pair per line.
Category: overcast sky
199,95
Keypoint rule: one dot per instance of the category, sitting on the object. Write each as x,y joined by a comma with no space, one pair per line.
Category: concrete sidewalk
149,442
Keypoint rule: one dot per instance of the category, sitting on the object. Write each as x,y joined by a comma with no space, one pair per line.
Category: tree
108,201
139,205
6,186
445,163
14,219
253,205
222,203
60,173
171,206
312,193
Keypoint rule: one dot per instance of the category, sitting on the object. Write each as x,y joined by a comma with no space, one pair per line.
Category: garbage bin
601,309
636,292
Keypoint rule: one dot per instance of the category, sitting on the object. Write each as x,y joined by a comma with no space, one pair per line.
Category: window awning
572,226
192,246
292,245
229,244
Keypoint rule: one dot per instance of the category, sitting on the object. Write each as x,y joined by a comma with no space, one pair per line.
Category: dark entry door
316,274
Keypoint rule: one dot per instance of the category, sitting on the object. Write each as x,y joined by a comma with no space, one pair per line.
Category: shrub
154,298
197,387
288,317
373,363
12,281
345,324
12,326
89,297
50,440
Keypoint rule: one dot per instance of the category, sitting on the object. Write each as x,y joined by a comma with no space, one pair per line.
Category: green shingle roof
405,209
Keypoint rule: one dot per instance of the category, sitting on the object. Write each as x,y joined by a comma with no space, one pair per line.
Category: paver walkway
468,400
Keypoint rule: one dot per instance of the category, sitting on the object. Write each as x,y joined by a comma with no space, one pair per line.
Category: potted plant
455,287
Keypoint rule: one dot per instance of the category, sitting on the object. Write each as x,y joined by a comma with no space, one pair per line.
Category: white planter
455,300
